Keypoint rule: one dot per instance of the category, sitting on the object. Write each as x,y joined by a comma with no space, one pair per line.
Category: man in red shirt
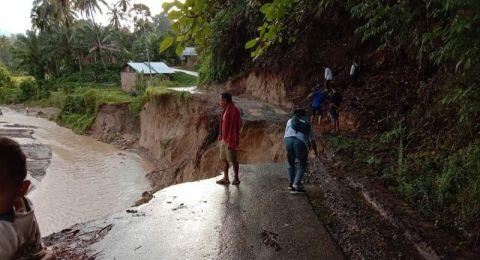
230,125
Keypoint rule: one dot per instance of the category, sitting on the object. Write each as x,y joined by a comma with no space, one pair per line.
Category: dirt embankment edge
179,131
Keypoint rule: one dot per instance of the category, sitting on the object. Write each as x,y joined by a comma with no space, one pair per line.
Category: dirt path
203,220
189,72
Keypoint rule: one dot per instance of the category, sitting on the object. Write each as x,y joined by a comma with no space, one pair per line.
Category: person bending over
298,139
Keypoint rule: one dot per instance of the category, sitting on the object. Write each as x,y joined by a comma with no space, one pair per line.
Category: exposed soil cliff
180,132
116,124
275,89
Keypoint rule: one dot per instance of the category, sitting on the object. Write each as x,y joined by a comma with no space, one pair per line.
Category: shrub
73,104
9,95
458,186
78,122
137,103
90,100
28,90
5,77
184,79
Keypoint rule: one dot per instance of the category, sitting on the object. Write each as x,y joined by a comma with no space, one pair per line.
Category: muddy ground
368,221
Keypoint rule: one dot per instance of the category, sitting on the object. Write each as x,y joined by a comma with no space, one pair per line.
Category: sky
15,14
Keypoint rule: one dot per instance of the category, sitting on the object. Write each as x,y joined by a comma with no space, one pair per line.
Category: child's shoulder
8,239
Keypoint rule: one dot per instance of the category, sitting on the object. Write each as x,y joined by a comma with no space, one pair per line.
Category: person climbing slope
230,125
298,139
319,96
354,71
335,101
328,76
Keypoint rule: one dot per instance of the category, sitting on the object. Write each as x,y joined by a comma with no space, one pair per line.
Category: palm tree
141,12
123,4
97,39
141,19
47,13
116,15
28,51
59,42
89,7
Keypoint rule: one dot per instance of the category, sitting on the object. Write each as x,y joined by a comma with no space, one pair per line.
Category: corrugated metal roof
189,51
154,68
161,67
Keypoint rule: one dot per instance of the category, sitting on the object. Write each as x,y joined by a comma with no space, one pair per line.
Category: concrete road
204,220
189,72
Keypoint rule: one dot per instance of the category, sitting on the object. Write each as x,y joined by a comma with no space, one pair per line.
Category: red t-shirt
230,126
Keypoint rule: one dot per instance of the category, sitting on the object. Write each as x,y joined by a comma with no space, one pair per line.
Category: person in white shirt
328,76
298,138
20,235
354,69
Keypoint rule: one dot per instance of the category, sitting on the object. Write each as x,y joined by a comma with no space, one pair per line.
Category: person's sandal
223,182
236,182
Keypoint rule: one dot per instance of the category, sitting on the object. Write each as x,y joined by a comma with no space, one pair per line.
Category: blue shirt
289,132
318,98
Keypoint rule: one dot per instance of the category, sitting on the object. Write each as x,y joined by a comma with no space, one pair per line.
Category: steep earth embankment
275,89
178,131
116,124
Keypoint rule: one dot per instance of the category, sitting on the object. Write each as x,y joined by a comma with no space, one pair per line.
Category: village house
132,72
189,57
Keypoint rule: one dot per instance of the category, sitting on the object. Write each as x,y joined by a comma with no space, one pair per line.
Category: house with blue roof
133,72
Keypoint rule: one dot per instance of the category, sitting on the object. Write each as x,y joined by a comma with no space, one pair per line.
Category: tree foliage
65,38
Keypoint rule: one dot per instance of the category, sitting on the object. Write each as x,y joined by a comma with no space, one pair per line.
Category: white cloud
15,15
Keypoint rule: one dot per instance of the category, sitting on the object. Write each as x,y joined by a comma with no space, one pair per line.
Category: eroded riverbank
82,180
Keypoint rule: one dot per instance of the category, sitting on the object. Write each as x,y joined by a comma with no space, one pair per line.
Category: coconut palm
47,13
89,7
97,40
123,4
28,51
116,15
141,12
59,42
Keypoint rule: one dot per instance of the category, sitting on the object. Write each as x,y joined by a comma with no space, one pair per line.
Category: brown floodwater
86,179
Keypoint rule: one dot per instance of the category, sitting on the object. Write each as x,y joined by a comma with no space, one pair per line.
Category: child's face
11,192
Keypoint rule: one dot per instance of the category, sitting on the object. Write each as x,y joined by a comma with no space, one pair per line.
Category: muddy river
85,179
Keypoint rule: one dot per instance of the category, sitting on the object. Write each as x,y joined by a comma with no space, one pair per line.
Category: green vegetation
440,185
79,94
75,62
66,39
5,77
219,29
